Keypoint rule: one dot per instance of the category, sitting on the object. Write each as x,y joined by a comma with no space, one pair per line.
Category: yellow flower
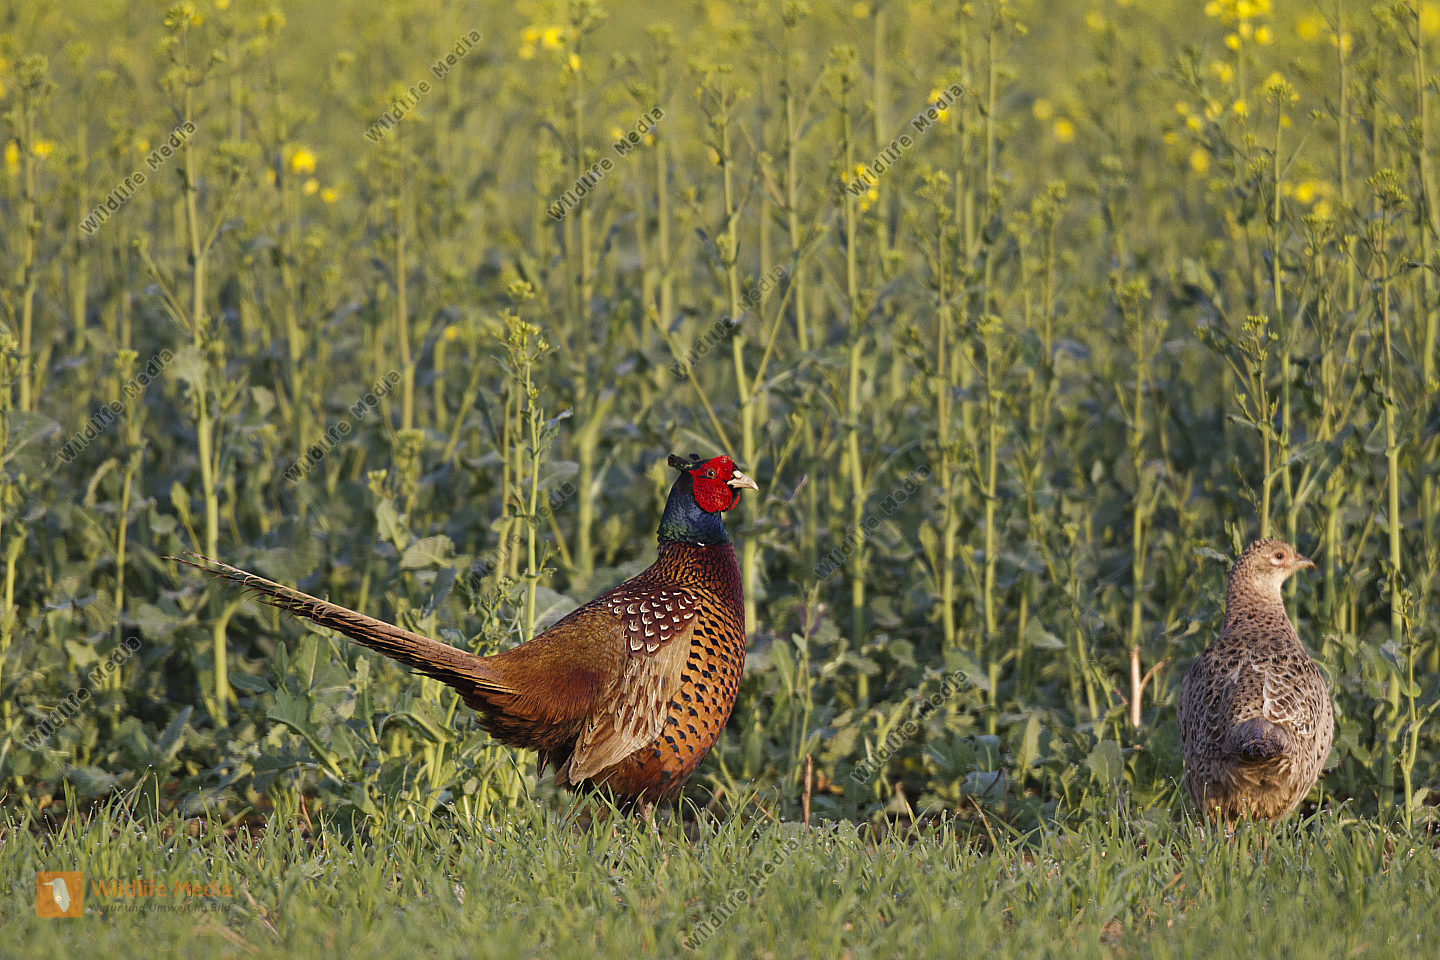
1212,111
1232,41
552,38
574,63
1315,191
529,37
142,145
452,333
1199,161
302,160
860,11
1278,90
1171,137
1344,41
1042,109
1212,9
184,15
1194,123
1222,71
43,148
222,5
1310,28
1064,131
1095,20
12,157
329,195
871,197
1246,31
941,112
616,133
1264,36
1241,108
310,187
1430,18
1322,209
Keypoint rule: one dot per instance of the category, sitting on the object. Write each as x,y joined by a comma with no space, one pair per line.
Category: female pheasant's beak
1303,561
738,479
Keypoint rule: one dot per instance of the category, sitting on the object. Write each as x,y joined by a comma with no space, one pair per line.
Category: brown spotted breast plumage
627,692
1256,721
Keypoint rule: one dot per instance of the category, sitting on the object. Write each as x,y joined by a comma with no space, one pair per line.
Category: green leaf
292,711
551,606
189,366
963,661
154,623
263,399
81,654
251,683
1029,746
984,784
387,522
91,781
426,715
180,500
784,663
172,740
1038,638
1107,761
434,551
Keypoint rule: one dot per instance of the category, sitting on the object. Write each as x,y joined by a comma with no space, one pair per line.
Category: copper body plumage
627,692
1256,721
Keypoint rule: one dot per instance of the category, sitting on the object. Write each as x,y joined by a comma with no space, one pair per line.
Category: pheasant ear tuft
680,463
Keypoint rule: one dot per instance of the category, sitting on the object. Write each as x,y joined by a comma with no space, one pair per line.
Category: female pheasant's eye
1280,555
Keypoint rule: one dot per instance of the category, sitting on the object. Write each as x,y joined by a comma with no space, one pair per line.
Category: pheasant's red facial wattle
717,484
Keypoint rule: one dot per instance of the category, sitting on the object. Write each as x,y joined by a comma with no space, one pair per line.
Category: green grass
1162,278
1115,884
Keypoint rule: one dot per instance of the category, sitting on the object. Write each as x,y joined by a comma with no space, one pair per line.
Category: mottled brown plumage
627,692
1255,716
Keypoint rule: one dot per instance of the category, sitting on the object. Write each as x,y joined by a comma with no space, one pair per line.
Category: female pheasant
628,692
1256,721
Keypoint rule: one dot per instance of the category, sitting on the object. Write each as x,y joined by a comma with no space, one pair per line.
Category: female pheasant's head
1263,568
704,490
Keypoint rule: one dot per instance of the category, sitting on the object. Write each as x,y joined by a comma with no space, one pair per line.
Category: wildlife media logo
61,893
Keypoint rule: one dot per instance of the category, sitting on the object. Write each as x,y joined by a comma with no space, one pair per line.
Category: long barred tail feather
464,671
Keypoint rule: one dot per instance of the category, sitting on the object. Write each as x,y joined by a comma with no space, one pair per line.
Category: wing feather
659,625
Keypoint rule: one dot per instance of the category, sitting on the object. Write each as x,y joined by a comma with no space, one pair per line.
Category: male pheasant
1256,721
628,692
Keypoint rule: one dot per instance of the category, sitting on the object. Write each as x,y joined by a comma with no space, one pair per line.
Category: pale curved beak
1304,561
738,479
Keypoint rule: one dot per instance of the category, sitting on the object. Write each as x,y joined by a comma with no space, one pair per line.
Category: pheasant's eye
710,474
1279,554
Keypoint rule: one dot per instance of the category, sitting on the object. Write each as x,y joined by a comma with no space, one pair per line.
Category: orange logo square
59,894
